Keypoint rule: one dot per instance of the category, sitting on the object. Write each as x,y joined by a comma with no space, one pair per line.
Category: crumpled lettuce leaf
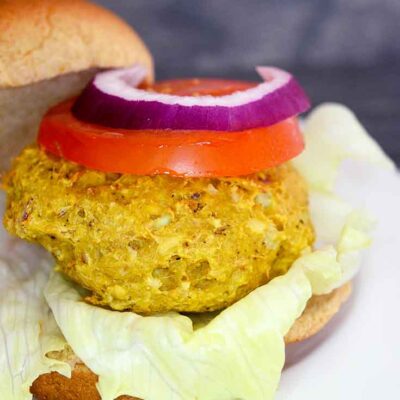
239,354
333,134
27,328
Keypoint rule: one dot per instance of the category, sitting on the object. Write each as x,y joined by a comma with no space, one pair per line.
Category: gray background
341,50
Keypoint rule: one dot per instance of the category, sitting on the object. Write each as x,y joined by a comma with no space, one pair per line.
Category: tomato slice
201,87
174,152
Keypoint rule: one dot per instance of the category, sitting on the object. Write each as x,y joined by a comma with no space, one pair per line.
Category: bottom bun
82,384
319,311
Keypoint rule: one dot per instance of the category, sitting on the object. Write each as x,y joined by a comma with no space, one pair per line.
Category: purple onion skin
99,108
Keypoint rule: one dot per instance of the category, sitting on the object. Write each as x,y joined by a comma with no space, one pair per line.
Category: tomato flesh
184,153
201,87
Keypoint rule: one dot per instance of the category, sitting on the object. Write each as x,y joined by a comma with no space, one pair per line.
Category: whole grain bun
41,39
49,50
82,385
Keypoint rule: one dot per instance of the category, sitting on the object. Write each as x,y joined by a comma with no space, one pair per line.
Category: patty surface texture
158,243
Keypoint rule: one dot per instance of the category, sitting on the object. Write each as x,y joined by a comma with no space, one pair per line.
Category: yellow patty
152,244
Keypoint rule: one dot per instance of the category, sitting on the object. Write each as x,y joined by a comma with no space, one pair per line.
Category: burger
191,229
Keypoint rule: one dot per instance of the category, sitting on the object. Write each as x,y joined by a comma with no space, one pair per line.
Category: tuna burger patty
159,243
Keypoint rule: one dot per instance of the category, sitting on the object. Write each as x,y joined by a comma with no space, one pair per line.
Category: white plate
358,355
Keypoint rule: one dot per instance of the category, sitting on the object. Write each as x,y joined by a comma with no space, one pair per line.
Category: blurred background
340,50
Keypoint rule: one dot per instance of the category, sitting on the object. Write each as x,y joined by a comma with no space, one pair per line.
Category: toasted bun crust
82,385
41,39
319,311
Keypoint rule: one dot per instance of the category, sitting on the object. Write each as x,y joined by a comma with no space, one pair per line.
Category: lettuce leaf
27,329
333,134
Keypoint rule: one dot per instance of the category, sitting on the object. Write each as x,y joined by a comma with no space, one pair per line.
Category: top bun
49,50
41,39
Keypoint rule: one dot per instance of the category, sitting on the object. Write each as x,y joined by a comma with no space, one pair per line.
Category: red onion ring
112,99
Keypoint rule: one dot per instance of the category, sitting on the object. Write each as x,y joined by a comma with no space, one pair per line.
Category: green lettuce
333,134
27,328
